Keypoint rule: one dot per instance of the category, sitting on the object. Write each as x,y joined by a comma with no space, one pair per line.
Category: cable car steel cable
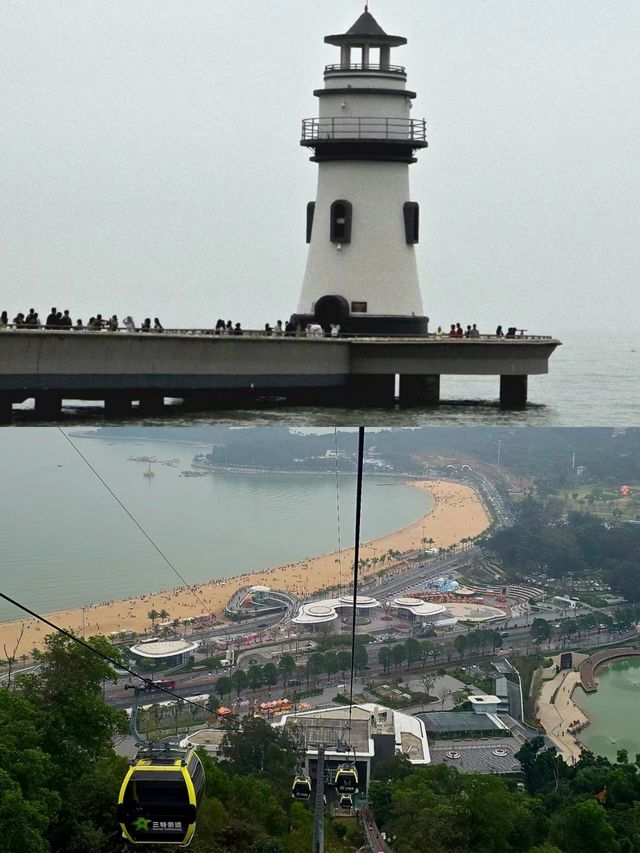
346,778
137,523
228,718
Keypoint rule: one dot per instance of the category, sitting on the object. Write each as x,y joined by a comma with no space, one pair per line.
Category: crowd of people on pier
62,321
472,331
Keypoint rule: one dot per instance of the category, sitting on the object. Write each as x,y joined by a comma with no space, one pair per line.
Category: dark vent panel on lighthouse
411,211
311,209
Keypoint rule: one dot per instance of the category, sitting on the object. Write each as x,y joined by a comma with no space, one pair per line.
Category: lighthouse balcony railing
359,67
363,128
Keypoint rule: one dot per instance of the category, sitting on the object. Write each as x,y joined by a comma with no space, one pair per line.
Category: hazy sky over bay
150,160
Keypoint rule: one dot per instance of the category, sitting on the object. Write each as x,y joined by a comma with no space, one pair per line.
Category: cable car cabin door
157,805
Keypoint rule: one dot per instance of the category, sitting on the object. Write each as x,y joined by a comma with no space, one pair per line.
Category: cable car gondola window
196,771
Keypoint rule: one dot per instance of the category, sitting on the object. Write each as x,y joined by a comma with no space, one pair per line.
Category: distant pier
588,668
208,371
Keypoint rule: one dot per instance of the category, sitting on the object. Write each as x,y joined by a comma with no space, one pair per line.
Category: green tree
540,630
287,666
270,674
461,645
254,676
262,750
385,658
68,686
412,650
316,665
153,615
331,665
583,826
344,661
399,654
240,681
361,660
223,686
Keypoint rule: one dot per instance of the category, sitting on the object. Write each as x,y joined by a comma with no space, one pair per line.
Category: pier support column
375,389
48,405
117,405
152,402
6,409
513,391
419,390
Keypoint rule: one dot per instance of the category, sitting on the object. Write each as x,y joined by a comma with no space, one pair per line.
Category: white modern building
324,615
376,733
363,226
424,612
164,652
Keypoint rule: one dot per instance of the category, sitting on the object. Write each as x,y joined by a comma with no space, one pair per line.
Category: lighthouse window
311,209
411,211
341,212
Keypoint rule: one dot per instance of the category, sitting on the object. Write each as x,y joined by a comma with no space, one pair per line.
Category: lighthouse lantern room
362,228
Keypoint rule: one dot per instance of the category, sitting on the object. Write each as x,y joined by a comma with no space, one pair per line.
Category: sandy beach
457,513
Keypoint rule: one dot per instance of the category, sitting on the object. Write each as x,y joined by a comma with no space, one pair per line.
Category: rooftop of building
331,725
439,723
472,756
163,648
326,610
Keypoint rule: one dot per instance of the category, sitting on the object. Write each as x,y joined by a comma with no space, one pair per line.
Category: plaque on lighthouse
363,226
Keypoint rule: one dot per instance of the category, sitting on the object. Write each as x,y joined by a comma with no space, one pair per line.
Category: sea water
67,542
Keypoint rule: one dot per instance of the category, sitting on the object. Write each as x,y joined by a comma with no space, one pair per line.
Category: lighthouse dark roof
366,30
366,25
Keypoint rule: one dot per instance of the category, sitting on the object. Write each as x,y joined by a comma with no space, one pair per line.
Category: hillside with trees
577,545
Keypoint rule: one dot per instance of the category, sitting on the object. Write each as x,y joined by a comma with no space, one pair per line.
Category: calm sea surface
614,710
594,380
66,542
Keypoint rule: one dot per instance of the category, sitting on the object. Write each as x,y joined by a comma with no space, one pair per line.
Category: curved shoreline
562,716
457,512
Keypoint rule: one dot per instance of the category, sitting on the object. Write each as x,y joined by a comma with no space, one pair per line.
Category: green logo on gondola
141,824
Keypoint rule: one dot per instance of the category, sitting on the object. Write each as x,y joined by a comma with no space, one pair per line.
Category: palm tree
153,615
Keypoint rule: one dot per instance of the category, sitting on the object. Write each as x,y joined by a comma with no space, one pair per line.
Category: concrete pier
419,390
209,372
513,391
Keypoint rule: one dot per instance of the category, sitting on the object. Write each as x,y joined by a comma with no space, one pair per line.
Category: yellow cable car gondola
160,794
346,802
346,779
301,789
159,797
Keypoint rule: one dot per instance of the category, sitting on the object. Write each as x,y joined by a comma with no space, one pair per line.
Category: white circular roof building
162,649
418,607
317,612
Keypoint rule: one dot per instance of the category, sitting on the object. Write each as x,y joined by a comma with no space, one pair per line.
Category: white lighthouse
363,226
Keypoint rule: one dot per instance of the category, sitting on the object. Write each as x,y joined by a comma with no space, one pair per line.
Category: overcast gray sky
150,160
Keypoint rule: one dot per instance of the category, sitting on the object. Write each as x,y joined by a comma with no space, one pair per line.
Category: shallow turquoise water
614,710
